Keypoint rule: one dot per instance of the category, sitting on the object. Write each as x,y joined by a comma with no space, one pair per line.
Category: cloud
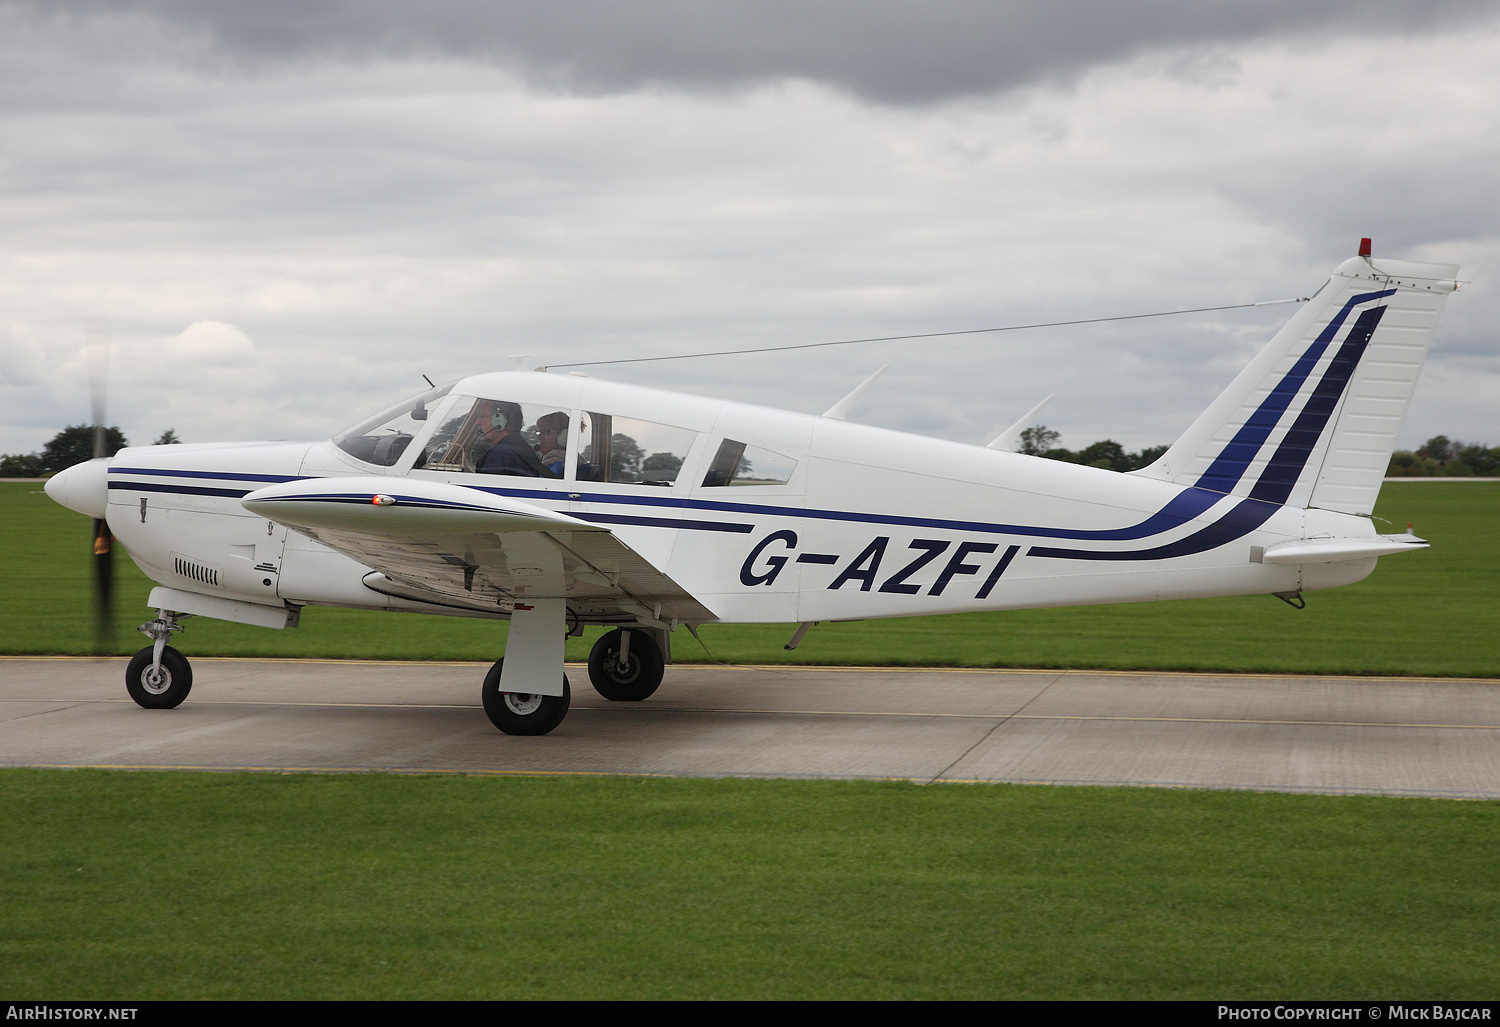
209,343
408,210
20,359
892,51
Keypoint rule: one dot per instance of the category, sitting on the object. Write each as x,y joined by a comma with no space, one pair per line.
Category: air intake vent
195,571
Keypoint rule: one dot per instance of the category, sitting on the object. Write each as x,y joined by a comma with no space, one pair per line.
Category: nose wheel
158,685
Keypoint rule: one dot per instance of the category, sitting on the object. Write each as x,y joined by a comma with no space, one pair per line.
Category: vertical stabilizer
1313,420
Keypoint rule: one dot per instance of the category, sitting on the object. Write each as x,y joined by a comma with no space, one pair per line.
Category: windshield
383,438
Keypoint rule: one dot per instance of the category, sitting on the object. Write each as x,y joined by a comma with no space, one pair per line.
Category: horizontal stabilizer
1336,550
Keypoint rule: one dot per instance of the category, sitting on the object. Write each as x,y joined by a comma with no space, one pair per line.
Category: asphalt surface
1396,736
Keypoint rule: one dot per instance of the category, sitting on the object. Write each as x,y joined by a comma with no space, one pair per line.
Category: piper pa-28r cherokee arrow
561,501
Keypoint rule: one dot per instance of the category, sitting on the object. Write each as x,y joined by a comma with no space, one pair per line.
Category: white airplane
558,501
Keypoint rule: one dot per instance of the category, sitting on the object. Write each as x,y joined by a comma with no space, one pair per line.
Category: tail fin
1313,420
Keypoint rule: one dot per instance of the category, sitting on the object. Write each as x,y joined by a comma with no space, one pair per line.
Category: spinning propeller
98,366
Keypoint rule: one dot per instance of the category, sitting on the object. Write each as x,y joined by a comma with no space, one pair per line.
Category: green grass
1436,612
179,885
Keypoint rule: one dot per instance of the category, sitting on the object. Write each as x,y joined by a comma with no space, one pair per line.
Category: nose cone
82,488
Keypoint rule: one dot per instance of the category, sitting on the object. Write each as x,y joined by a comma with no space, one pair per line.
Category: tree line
1039,440
1442,457
1438,457
73,445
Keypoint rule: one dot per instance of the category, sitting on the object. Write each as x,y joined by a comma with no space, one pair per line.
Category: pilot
552,440
509,451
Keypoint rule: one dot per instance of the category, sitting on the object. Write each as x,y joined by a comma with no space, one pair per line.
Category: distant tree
168,438
1146,457
75,444
1439,449
1406,464
1107,454
1038,440
1480,461
21,465
624,458
1443,457
661,467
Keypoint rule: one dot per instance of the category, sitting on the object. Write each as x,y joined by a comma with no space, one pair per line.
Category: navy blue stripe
227,475
364,499
667,522
1183,507
1234,524
1291,456
587,497
186,490
1230,465
1246,516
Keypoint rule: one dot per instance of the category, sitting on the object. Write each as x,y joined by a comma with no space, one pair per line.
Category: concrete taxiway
1397,736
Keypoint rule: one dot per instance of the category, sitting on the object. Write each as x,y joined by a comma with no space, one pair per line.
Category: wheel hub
626,674
522,703
155,681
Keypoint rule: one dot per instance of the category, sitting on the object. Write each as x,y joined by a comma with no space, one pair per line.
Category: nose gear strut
159,630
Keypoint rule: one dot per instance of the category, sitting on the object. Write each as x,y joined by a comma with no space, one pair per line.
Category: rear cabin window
630,451
739,464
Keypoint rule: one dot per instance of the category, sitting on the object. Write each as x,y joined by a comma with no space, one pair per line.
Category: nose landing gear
159,677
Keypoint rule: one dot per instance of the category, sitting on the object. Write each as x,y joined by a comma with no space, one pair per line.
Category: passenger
509,451
552,440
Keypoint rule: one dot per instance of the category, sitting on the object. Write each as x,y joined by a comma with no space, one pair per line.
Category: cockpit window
383,438
632,451
738,464
496,436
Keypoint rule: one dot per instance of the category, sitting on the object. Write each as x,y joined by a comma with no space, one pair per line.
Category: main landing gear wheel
162,689
642,673
523,713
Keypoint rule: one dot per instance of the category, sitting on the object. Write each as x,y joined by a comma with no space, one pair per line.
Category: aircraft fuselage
868,523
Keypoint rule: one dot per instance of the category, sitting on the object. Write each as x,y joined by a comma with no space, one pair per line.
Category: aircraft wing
454,546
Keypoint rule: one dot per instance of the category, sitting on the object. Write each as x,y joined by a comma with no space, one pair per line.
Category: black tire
523,713
643,671
169,689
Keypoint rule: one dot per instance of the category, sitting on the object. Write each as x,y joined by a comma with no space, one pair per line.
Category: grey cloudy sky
288,212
